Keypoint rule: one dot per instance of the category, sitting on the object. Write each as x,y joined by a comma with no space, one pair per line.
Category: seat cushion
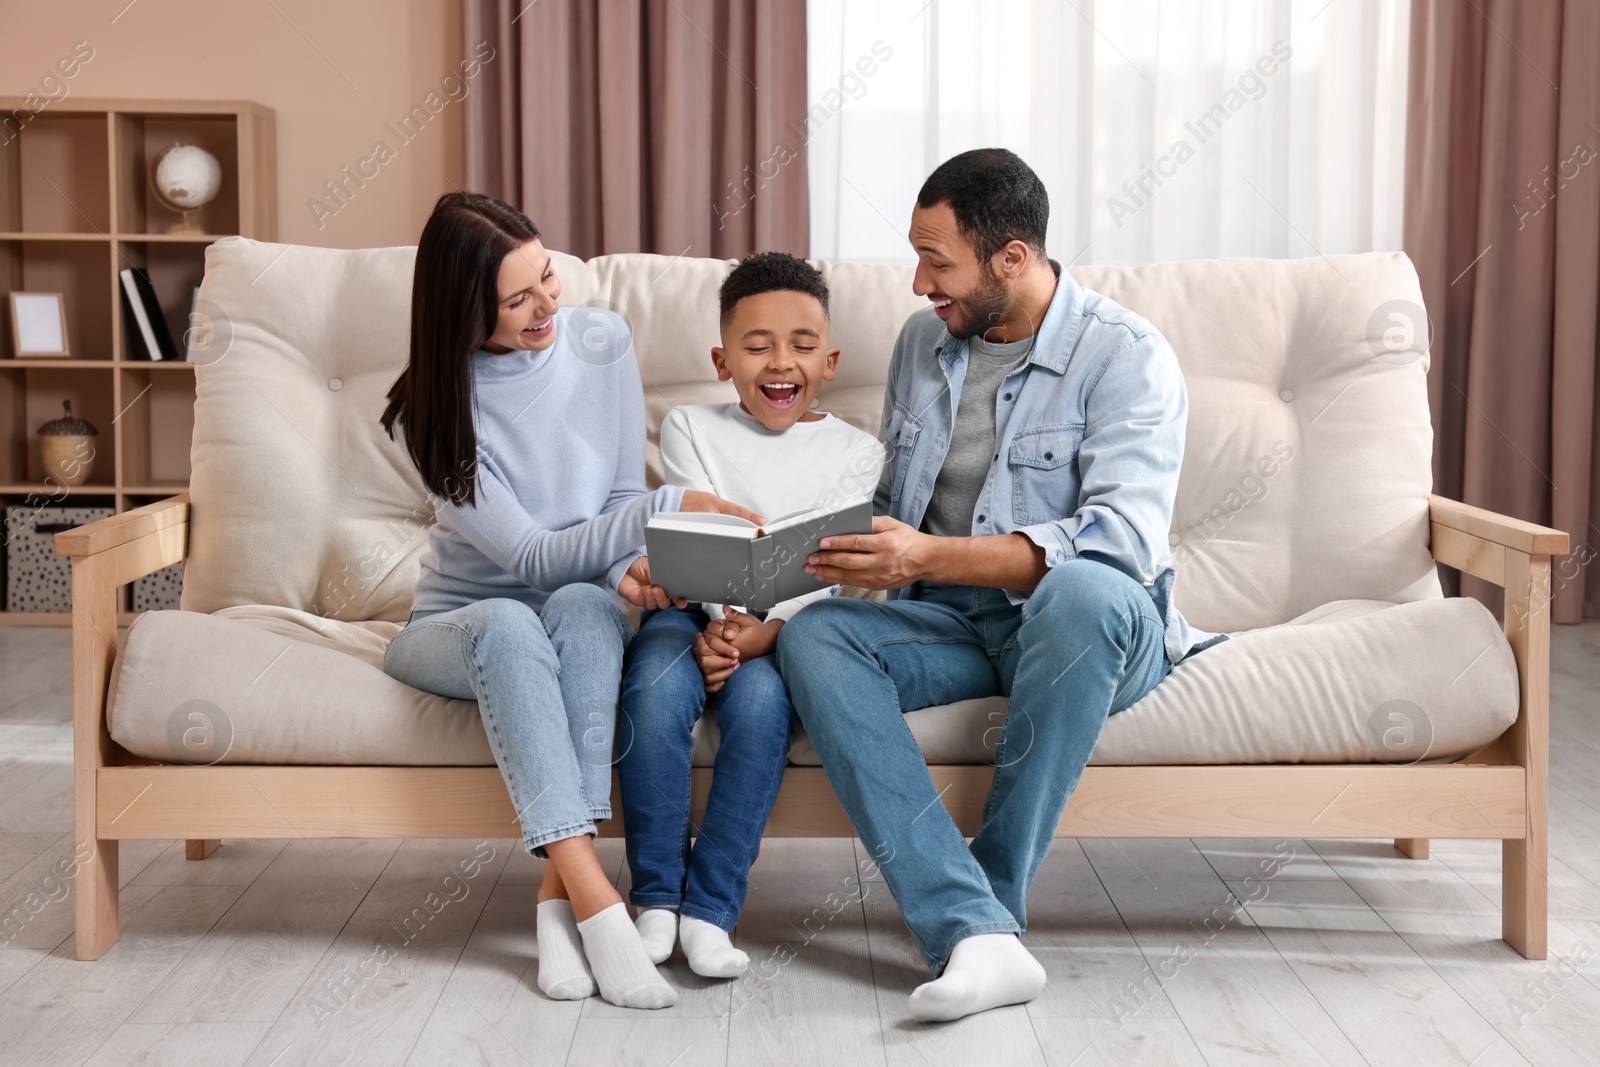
263,684
1351,682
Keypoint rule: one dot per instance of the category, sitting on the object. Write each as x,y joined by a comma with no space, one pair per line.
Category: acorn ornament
66,448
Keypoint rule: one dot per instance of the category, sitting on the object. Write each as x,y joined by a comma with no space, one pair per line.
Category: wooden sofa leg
198,848
1414,847
1525,861
1523,897
97,911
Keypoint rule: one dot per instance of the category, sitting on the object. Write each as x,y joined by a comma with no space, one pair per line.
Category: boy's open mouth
781,394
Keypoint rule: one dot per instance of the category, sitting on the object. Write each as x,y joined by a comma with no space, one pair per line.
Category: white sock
621,966
658,929
985,971
563,972
711,954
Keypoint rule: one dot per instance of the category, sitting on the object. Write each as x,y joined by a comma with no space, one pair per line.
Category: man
1035,432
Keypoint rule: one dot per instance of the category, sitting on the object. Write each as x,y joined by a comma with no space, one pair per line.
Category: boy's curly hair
769,272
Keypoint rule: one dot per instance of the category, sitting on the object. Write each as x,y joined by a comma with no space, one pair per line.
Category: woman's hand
637,589
694,500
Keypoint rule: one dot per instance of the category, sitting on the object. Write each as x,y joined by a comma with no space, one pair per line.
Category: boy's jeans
1086,644
546,686
662,697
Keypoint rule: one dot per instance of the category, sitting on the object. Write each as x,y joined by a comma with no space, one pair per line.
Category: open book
723,559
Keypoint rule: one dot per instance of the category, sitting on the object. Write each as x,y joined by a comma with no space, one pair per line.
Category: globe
185,177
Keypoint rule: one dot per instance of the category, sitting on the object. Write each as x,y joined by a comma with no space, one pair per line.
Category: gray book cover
721,559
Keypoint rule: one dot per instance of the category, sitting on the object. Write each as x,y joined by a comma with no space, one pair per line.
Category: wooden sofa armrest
117,530
107,555
1497,548
1496,529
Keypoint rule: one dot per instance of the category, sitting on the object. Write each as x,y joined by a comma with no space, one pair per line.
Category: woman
529,434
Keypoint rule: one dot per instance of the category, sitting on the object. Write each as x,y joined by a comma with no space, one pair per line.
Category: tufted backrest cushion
1308,460
1305,476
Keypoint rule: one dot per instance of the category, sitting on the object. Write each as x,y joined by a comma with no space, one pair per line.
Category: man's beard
985,306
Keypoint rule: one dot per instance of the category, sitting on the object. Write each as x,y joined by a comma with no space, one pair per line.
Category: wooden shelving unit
76,208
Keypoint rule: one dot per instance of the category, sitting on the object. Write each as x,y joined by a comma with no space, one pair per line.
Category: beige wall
337,72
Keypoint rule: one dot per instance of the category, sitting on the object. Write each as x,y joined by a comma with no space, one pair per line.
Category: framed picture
38,325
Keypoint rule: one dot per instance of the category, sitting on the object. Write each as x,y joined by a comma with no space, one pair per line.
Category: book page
708,523
797,518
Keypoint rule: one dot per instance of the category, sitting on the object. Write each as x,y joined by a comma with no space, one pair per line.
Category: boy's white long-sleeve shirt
722,449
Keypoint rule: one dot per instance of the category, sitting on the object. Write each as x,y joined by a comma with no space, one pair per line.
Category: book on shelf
192,337
144,310
723,559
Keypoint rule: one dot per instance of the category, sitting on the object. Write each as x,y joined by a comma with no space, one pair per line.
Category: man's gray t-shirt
966,464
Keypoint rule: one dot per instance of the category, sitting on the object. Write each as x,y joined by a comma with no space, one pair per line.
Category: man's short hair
771,272
996,197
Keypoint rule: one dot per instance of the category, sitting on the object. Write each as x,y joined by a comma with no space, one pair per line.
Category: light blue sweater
560,483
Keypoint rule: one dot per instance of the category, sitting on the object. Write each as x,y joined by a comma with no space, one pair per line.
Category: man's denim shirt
1088,442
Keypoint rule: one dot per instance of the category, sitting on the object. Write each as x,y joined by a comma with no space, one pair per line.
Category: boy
772,453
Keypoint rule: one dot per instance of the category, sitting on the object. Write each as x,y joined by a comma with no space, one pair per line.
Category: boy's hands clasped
731,640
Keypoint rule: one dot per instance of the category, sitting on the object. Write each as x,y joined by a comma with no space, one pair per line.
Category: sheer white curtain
1163,129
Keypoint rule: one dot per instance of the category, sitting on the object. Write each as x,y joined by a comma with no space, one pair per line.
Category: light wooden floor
265,953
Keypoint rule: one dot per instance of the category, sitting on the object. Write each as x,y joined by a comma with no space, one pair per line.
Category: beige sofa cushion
299,499
1356,681
1305,478
1350,682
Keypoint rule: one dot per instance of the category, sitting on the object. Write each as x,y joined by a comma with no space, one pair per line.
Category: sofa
1352,699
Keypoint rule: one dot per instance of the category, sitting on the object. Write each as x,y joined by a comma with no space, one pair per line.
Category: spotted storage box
158,591
36,578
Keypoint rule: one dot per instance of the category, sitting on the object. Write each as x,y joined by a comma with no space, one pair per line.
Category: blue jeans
662,697
546,686
1086,644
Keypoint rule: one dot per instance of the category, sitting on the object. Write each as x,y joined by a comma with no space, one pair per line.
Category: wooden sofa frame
1498,792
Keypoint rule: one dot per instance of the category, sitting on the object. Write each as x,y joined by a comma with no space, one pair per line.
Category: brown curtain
670,126
1503,222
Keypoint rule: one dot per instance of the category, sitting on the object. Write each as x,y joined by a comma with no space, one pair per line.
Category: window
1163,129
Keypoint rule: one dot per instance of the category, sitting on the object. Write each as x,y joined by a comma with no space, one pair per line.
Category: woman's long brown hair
455,304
